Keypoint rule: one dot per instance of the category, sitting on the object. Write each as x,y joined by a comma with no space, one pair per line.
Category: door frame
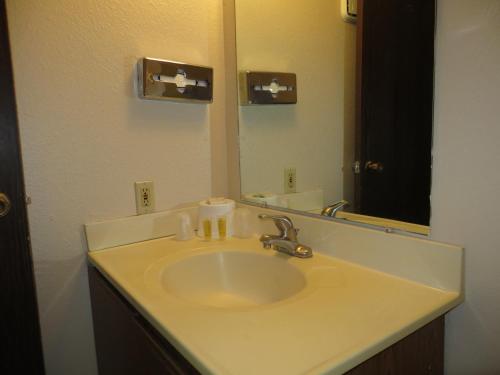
358,118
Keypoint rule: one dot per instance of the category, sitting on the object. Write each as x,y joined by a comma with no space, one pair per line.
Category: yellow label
221,224
207,228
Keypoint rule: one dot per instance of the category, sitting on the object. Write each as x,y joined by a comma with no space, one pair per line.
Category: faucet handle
283,223
278,219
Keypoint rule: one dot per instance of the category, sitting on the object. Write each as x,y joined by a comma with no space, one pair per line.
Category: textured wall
86,137
466,179
288,37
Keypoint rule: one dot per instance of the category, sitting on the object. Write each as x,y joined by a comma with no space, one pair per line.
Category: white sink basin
232,279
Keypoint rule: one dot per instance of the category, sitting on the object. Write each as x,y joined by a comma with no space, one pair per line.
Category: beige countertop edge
371,350
331,366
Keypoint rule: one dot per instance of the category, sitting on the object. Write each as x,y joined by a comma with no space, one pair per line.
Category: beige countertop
344,315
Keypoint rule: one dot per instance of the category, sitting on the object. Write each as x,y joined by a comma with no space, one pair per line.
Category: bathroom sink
232,279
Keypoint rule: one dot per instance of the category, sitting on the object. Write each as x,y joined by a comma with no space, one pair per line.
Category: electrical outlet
144,197
290,180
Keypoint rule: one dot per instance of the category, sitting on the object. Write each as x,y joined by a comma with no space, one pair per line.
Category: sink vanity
365,301
357,127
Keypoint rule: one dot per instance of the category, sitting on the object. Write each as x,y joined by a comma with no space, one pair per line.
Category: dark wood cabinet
127,344
420,353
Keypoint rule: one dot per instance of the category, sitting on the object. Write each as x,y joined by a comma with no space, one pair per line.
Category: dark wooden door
21,351
394,109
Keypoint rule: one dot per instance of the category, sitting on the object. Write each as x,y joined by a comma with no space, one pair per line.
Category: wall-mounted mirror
361,126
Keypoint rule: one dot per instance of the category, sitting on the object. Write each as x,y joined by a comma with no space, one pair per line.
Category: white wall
306,38
86,137
466,174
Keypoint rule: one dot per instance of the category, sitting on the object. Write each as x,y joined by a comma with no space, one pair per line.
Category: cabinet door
125,342
421,353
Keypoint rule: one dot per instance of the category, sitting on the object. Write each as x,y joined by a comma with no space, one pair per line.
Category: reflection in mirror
356,144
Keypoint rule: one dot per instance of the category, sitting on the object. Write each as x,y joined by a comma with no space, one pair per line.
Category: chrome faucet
286,242
331,210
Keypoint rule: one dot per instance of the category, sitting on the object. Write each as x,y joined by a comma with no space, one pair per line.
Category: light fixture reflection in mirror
361,127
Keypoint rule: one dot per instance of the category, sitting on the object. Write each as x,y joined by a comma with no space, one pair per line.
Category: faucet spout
331,210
